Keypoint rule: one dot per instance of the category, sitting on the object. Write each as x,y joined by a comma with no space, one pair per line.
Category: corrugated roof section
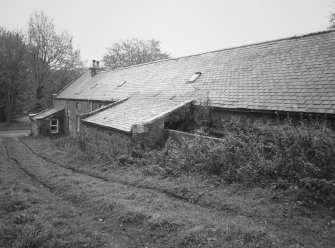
294,74
138,109
46,113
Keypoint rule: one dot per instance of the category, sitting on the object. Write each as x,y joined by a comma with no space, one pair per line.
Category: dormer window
194,77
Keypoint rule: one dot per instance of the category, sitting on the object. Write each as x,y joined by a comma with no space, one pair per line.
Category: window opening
122,83
93,86
78,123
77,105
77,92
54,127
194,77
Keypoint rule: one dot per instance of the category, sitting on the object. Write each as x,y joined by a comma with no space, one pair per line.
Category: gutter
268,111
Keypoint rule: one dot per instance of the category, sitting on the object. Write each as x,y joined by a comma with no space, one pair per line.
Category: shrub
72,142
298,154
301,151
318,191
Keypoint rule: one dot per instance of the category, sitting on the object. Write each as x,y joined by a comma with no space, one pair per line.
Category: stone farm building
251,84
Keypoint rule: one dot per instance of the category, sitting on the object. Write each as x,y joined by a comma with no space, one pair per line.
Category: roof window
156,93
93,85
77,92
194,77
122,83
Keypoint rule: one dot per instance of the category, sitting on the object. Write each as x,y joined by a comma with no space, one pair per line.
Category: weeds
284,155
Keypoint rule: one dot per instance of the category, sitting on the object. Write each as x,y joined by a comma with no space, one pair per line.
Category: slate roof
45,113
138,109
293,74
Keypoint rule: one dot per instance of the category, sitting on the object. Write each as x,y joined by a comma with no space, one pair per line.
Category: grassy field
58,196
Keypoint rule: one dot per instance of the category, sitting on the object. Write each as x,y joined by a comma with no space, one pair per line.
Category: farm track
142,207
55,198
125,199
123,182
26,172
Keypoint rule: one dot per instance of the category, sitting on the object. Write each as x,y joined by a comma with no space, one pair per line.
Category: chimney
98,64
93,69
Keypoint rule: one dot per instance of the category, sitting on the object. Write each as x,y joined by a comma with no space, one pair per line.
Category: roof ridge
225,49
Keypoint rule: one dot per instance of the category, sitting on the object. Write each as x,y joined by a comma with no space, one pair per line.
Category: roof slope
45,113
138,109
293,74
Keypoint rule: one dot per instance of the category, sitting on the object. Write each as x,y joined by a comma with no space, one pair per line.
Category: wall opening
54,126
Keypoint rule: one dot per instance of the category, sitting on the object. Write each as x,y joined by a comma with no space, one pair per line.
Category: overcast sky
184,27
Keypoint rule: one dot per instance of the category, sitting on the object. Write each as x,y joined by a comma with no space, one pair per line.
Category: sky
184,27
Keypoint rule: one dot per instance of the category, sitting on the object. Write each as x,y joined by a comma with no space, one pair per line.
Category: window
77,123
91,106
194,77
122,83
93,86
77,105
54,127
77,92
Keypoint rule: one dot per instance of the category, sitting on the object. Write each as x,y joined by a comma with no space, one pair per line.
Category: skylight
194,77
122,83
156,93
77,92
93,85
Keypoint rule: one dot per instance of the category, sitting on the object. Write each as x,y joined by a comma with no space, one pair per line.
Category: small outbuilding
50,122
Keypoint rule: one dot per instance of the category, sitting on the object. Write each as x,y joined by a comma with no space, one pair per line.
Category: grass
31,217
216,212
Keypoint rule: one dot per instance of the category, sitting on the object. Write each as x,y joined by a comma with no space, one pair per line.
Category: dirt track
121,214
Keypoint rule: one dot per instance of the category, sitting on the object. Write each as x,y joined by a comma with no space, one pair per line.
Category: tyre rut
90,217
125,183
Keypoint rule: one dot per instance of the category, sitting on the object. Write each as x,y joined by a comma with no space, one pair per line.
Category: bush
316,191
298,154
303,151
72,142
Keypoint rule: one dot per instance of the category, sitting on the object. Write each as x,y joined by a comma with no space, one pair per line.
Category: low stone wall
105,140
153,133
181,137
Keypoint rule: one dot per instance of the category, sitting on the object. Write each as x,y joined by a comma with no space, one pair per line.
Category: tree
332,21
13,70
133,52
52,58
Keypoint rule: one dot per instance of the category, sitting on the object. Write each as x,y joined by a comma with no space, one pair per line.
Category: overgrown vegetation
173,201
299,156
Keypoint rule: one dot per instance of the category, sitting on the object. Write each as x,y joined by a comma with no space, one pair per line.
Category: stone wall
260,119
106,140
181,137
153,132
75,108
241,118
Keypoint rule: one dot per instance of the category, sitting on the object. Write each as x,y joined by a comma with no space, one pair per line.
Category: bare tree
52,55
12,71
133,52
332,21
